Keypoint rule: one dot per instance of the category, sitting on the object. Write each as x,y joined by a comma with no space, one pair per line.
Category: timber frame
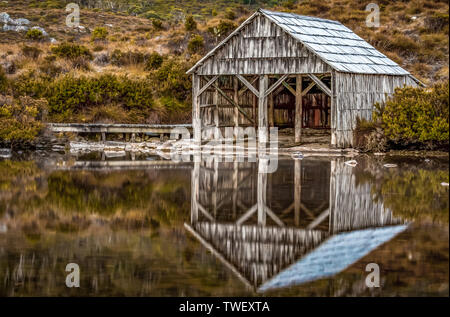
281,69
262,107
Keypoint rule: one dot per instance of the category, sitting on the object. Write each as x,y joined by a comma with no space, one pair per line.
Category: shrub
34,34
71,51
20,120
3,81
157,24
119,58
190,24
224,28
154,61
50,69
196,44
416,115
69,95
31,51
172,80
99,33
230,14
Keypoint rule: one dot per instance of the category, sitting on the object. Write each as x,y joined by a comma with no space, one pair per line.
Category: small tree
190,24
196,44
154,61
34,34
99,33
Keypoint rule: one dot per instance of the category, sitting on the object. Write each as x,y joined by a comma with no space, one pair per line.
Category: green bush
69,95
196,44
190,24
71,51
34,34
172,80
3,81
224,28
154,61
416,115
20,120
99,33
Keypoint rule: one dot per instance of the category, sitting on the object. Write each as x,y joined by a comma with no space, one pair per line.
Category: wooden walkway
103,128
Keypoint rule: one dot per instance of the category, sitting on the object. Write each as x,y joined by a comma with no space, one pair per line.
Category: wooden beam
285,84
262,109
245,88
236,100
196,121
231,101
320,83
277,83
298,110
248,85
271,110
307,89
207,85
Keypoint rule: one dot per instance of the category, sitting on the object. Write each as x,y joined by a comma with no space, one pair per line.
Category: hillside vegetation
127,61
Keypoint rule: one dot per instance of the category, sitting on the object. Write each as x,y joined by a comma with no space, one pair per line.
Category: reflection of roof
333,256
257,252
336,44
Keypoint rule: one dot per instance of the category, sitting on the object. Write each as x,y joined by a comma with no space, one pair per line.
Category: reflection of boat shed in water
236,214
286,70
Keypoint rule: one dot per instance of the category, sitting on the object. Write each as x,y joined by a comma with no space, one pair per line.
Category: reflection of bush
416,195
70,202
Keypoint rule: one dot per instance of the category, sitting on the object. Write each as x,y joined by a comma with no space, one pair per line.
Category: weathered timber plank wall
261,48
354,96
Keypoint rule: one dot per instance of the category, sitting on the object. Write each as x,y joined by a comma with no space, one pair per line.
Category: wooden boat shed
287,70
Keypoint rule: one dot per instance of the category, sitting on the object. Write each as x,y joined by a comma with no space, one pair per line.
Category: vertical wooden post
103,136
216,114
271,110
196,123
262,109
236,100
297,191
255,118
298,110
133,137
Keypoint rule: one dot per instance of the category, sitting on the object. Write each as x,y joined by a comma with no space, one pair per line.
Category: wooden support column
216,114
298,109
297,191
255,111
271,109
103,136
262,109
215,185
236,100
196,123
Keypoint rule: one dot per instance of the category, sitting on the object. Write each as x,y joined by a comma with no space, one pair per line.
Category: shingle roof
333,42
336,44
333,256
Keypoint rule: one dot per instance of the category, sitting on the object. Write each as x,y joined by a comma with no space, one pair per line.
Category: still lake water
223,229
